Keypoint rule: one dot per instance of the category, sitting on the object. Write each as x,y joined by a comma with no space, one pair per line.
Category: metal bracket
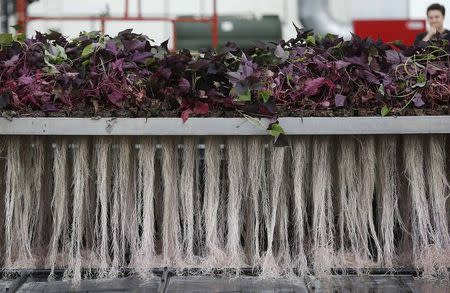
165,278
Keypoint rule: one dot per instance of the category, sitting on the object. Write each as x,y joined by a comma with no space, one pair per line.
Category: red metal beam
126,8
102,26
21,14
139,4
23,18
215,26
174,37
119,18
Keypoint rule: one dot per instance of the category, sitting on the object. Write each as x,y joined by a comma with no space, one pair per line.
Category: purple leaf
125,32
49,107
339,100
312,86
357,60
247,70
116,97
11,62
184,85
341,64
111,47
417,100
165,73
393,57
140,56
71,74
279,51
131,45
185,114
117,65
234,76
370,77
201,108
25,80
325,104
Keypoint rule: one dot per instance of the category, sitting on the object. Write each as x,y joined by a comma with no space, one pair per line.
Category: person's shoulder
446,34
420,37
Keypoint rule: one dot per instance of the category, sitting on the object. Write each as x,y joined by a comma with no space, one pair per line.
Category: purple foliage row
127,75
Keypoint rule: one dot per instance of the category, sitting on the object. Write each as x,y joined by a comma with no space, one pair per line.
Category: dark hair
436,6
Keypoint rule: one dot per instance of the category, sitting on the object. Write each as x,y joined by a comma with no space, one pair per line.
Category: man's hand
430,34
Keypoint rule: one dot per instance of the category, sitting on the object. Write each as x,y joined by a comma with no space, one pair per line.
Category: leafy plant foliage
309,75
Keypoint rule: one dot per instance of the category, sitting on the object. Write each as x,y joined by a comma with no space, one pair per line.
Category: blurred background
194,24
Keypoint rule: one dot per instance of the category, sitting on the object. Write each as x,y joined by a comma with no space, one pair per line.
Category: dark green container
243,31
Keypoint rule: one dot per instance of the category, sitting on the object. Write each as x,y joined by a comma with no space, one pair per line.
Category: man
435,16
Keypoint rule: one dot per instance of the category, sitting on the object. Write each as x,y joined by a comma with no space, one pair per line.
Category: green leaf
87,51
381,89
265,95
61,52
6,39
301,59
373,51
311,40
20,37
397,43
246,97
421,81
17,27
385,110
55,55
276,130
50,69
149,61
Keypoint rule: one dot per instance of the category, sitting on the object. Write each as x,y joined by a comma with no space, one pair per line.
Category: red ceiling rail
23,18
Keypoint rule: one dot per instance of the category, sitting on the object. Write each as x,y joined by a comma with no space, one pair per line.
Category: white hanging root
323,214
102,147
171,230
387,197
146,188
59,207
422,229
271,210
115,212
438,195
3,164
352,246
36,177
300,170
80,187
236,170
18,209
249,213
43,231
282,248
256,187
214,244
124,228
133,209
187,189
367,162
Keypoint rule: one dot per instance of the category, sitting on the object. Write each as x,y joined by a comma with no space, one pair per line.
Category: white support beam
225,126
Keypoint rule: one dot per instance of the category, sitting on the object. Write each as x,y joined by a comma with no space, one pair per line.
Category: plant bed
127,75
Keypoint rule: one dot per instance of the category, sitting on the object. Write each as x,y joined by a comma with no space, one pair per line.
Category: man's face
435,19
